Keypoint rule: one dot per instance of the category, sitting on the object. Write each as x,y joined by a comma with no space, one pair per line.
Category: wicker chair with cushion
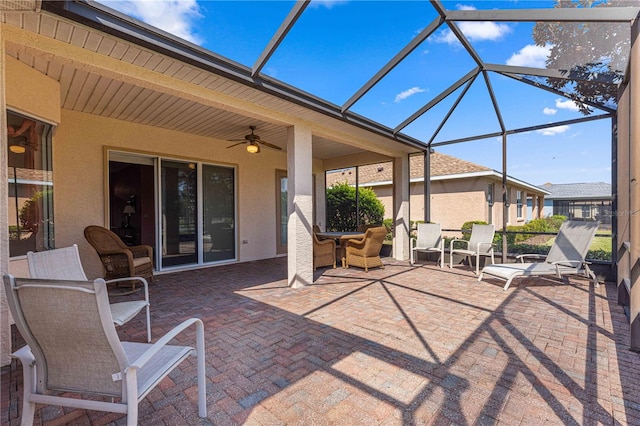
324,252
118,259
365,252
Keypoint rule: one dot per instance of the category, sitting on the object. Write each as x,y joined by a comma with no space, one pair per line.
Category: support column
299,207
401,222
505,209
320,205
5,327
634,185
427,186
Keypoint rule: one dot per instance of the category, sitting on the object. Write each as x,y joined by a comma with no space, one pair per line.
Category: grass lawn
598,243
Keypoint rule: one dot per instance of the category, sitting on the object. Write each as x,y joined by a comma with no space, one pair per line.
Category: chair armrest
144,282
125,252
141,251
325,242
164,340
577,263
521,257
484,244
356,243
458,240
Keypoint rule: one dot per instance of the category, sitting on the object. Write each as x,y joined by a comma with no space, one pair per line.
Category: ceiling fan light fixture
253,148
17,149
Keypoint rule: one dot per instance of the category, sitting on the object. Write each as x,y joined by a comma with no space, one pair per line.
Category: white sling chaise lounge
566,256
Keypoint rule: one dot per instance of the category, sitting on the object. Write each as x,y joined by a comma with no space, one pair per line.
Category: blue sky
336,46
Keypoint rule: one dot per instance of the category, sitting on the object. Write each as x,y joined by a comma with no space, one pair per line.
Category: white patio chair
78,350
64,263
429,240
566,256
480,244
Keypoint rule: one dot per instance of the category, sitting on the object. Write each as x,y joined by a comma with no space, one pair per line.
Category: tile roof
585,190
441,165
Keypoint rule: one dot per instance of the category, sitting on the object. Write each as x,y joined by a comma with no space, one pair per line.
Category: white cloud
549,111
409,92
173,16
474,31
530,56
567,104
552,131
326,3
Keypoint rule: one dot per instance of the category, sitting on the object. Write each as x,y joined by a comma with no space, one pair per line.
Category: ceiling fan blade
235,144
270,145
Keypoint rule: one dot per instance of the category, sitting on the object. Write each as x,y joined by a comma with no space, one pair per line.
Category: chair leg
28,407
148,325
132,397
202,377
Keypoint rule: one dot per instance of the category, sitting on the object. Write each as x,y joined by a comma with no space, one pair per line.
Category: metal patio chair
78,350
480,244
64,263
429,240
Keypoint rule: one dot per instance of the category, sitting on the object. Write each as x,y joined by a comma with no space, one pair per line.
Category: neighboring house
589,200
461,191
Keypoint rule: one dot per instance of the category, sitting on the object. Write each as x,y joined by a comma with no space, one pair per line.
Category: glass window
519,203
30,185
490,194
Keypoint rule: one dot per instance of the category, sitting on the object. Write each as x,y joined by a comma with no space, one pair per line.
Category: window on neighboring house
30,185
490,194
519,203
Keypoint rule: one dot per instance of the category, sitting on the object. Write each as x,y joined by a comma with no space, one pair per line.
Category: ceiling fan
254,142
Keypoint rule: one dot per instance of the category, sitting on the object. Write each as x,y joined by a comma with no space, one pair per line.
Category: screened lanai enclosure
483,81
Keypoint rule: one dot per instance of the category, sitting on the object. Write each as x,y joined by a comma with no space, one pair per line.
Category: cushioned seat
118,259
365,252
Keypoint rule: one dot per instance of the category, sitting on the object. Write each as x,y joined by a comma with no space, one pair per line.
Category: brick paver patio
397,346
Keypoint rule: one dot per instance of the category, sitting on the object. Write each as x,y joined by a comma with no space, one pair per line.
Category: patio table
341,239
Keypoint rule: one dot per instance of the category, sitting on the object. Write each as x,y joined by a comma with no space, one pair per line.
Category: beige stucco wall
79,153
31,92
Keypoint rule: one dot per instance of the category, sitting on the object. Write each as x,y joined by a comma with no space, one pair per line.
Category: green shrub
388,223
341,207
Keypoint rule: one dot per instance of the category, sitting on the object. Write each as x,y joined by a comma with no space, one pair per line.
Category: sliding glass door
218,219
186,210
179,195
